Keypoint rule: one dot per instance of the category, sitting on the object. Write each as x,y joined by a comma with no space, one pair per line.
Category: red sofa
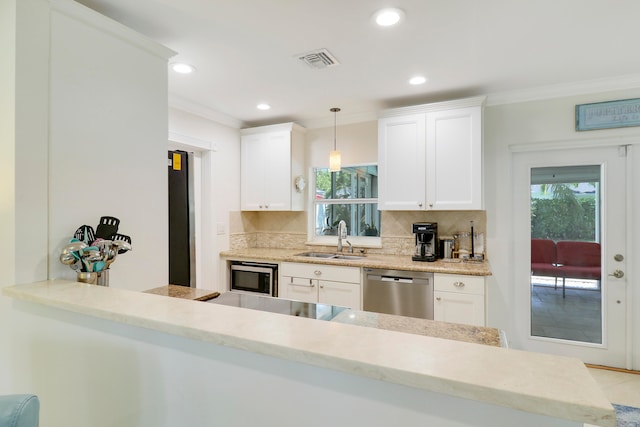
566,259
543,258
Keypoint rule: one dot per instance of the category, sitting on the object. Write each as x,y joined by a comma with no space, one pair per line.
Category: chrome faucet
342,234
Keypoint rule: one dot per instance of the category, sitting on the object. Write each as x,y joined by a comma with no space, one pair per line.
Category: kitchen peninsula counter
391,262
493,383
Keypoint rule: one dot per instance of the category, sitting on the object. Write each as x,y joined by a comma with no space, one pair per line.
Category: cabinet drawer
320,271
458,283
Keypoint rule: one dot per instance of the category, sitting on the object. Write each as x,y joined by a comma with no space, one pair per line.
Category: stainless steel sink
325,255
354,257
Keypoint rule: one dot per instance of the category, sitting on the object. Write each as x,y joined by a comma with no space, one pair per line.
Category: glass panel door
570,251
566,297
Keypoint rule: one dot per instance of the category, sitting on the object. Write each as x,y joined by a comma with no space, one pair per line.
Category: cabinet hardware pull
438,298
310,285
317,272
458,284
420,204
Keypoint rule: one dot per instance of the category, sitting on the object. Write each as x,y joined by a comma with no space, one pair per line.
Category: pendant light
334,156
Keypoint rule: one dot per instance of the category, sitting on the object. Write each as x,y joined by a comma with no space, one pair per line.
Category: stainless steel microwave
255,278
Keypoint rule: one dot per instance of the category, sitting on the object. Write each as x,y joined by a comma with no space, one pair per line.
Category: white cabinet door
339,293
401,162
271,157
454,159
459,308
459,299
253,172
276,159
298,289
430,157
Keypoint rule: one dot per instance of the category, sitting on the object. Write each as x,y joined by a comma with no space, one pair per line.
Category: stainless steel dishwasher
405,293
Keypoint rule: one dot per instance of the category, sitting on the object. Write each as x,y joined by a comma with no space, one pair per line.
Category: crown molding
435,106
281,127
585,87
96,20
493,99
191,107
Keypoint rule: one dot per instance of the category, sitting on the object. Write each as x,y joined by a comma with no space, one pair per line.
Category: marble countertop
185,292
559,387
393,262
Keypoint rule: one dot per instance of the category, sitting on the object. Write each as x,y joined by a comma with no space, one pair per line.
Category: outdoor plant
564,216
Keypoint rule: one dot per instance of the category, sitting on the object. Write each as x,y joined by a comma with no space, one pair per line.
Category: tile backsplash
398,223
289,229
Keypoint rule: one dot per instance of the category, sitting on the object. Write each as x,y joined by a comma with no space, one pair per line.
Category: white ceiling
244,51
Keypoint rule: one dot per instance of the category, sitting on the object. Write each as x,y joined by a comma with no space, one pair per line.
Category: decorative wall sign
608,115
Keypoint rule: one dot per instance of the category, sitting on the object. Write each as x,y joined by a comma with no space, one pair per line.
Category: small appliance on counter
469,245
426,241
446,248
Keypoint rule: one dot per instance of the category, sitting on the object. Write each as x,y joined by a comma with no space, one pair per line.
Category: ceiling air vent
318,59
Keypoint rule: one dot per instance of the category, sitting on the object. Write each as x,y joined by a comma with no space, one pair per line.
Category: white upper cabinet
272,157
401,156
430,157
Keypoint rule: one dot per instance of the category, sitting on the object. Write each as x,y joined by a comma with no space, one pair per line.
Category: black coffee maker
426,241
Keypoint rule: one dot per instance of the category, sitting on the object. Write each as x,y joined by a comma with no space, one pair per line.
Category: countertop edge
390,363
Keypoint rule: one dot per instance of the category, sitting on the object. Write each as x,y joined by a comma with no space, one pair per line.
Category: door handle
618,274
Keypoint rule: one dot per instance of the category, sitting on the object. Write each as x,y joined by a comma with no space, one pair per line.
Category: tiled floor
619,387
575,317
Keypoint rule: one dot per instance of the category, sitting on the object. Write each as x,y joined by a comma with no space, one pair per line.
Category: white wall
224,169
551,121
108,137
357,143
80,133
7,138
23,140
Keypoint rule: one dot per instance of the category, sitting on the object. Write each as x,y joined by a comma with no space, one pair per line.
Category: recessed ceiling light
182,68
417,80
388,17
263,107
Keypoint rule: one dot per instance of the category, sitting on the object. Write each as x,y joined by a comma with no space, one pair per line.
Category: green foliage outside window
349,195
564,216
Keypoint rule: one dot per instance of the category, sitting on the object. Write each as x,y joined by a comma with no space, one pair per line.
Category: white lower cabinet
318,283
459,299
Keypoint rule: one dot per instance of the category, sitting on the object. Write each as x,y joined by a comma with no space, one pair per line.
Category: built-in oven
254,278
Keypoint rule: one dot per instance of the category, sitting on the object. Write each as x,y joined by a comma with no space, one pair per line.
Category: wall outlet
222,228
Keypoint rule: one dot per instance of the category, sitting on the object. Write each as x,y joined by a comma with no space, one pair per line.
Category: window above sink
349,195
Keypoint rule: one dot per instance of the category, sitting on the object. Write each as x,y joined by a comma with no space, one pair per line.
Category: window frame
356,241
